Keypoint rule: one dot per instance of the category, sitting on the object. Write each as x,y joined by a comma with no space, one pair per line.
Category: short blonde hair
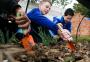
46,1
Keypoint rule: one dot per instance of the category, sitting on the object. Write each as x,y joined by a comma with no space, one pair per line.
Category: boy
38,20
64,20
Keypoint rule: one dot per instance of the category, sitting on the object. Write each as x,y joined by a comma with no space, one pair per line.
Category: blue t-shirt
61,20
66,25
38,19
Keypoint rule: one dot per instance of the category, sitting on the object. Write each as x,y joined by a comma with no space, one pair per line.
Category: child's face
68,18
45,7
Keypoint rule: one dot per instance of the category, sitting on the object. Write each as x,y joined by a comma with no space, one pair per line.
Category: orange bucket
28,42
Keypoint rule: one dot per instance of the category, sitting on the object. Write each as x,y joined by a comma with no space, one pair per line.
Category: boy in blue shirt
64,20
38,20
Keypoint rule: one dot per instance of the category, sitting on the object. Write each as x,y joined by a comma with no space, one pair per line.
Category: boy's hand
22,19
22,14
65,35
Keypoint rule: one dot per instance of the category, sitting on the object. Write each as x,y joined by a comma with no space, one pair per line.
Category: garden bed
53,53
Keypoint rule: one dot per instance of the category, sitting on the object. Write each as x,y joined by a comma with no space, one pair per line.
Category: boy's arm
43,21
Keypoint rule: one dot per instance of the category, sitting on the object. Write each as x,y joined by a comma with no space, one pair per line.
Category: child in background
64,20
23,29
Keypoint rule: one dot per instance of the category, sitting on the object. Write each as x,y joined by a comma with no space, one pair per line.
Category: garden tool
28,42
67,37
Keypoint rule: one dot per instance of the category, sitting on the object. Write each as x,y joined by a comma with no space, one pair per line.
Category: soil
56,53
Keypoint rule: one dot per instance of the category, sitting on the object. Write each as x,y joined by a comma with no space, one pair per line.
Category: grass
46,39
82,38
